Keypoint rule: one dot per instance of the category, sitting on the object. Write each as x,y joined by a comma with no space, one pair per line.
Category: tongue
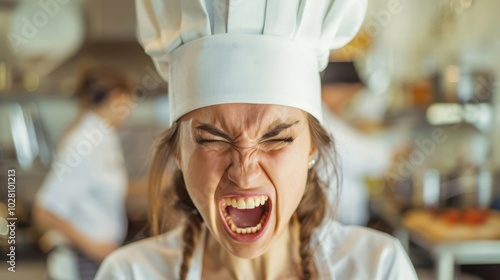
243,218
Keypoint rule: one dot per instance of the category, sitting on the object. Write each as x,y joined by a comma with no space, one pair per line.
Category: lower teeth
246,230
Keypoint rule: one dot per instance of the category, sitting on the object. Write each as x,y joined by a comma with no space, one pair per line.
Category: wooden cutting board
437,229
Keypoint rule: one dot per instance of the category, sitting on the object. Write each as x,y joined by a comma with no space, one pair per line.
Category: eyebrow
213,130
276,130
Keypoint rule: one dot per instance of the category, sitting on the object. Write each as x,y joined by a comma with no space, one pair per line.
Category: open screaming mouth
246,215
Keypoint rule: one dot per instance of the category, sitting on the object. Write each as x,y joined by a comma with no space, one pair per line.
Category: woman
81,201
247,143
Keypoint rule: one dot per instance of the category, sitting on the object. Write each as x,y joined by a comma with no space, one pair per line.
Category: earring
311,163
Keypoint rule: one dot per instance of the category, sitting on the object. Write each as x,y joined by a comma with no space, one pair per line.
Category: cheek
289,174
205,166
202,172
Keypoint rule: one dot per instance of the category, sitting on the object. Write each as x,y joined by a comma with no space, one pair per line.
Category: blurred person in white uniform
81,201
361,154
247,143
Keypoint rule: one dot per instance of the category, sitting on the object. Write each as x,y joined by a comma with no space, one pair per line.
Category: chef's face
245,168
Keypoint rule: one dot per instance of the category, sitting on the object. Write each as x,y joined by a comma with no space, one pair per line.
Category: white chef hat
245,51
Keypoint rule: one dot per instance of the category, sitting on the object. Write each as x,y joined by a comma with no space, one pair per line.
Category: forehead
247,117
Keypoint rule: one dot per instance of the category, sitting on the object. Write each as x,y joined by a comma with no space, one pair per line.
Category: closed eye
288,140
276,143
204,140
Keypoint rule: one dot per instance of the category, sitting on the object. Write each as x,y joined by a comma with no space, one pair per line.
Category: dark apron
87,268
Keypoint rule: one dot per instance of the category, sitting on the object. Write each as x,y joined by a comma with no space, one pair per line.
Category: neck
279,261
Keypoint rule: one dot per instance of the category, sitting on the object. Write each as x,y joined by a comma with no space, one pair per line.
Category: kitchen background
431,70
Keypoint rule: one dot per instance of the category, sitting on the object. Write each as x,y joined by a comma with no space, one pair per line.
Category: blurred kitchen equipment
26,150
28,135
461,85
43,35
484,189
5,76
431,188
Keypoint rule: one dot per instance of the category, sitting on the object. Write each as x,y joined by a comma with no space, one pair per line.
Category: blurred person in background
361,154
81,201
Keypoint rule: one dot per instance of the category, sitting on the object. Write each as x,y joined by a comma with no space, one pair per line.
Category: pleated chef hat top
245,51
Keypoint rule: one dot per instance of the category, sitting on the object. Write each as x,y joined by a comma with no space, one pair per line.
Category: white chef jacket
344,253
87,183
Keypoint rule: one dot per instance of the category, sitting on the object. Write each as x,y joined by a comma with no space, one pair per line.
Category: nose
244,168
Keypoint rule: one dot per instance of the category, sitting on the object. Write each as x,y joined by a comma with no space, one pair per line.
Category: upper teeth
247,203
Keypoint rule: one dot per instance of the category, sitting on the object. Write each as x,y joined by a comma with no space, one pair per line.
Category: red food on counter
455,216
452,216
475,216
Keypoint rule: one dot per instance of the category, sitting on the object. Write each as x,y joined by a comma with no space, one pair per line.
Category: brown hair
97,82
94,85
310,212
